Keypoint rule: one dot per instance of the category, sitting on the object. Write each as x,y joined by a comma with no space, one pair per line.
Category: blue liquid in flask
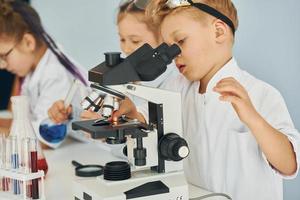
53,133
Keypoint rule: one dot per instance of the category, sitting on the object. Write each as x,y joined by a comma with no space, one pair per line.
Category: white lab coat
224,155
49,82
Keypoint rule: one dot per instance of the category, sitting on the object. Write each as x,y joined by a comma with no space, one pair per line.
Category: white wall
268,46
267,42
86,29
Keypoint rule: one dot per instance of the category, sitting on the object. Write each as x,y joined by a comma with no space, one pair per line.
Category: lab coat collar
43,61
230,69
36,74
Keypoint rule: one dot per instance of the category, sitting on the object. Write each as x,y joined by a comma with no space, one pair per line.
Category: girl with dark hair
29,52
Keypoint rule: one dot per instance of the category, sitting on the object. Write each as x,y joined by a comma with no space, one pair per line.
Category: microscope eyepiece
112,58
173,51
145,64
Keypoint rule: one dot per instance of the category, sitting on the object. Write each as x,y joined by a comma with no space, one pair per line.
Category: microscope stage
108,129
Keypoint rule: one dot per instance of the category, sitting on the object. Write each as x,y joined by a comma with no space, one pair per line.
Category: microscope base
152,186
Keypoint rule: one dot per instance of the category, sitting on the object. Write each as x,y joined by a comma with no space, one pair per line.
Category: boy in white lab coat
242,140
30,53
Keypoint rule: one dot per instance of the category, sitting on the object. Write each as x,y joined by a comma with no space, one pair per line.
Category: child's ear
29,42
221,31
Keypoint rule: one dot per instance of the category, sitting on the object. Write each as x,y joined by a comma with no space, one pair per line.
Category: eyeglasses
3,58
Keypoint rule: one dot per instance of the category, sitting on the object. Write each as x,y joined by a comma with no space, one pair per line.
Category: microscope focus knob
173,147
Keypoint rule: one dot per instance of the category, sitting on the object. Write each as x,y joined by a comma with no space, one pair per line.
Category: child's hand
232,91
127,108
88,114
58,113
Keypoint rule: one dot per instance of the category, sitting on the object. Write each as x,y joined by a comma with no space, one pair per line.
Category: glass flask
54,134
22,128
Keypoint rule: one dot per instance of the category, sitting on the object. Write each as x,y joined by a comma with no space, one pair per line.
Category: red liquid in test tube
34,168
5,184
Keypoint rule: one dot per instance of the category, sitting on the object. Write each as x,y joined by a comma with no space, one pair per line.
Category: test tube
2,157
34,168
71,93
25,163
15,164
6,162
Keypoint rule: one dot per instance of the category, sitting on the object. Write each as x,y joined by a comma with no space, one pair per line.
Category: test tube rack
24,177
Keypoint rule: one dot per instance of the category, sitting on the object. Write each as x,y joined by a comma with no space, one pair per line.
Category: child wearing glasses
29,52
241,137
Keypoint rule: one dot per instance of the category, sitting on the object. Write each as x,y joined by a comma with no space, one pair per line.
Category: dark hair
17,18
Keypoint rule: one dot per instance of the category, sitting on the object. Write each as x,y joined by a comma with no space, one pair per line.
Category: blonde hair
129,7
157,10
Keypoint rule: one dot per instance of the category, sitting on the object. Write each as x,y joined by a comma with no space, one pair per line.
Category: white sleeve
275,111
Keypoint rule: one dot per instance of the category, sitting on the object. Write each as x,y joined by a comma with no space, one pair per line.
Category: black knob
139,153
172,147
112,58
140,156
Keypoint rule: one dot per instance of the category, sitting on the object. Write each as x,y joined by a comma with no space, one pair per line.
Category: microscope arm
171,102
